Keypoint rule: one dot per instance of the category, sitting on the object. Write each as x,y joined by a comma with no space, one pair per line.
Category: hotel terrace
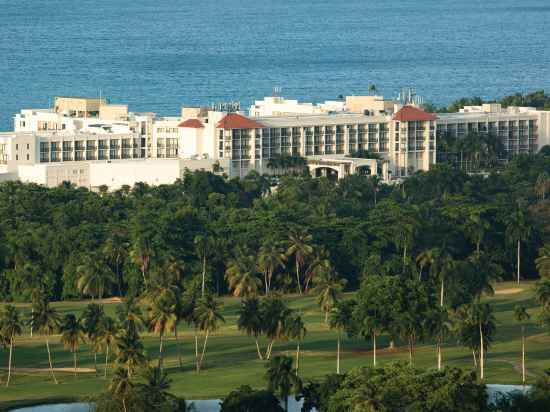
91,143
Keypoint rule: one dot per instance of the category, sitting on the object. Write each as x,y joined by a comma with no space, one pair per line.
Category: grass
231,358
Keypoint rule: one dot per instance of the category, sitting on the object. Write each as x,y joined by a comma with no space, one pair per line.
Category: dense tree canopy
69,242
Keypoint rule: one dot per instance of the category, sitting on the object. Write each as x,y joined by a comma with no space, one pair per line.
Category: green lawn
231,357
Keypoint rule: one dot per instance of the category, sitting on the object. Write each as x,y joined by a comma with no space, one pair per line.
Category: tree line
286,235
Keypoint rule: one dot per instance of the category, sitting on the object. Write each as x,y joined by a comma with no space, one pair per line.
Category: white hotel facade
91,143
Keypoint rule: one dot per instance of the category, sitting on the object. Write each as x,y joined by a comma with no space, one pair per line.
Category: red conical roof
191,124
412,114
238,121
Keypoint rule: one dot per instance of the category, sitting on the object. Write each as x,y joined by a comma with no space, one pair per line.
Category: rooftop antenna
277,91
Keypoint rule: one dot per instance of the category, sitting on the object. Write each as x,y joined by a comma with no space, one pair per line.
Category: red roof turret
238,121
412,114
191,124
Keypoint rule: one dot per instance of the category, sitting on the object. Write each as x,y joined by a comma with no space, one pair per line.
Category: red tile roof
192,124
237,121
412,114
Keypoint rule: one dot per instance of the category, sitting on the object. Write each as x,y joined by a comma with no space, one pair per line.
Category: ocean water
158,55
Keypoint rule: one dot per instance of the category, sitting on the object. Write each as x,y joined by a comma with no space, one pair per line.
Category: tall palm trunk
442,291
338,355
180,360
203,274
298,276
475,358
196,351
519,259
523,354
266,283
374,349
269,349
124,404
161,348
9,362
106,360
258,349
439,352
74,363
297,358
203,349
50,360
481,353
95,360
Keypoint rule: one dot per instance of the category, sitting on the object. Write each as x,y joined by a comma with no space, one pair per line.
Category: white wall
115,174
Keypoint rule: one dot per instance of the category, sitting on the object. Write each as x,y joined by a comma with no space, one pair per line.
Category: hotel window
67,151
126,149
103,151
161,148
171,148
114,149
55,150
44,152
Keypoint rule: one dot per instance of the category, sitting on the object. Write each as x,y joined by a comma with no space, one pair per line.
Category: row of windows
92,150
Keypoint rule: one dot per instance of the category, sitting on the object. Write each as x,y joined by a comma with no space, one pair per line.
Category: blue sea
159,55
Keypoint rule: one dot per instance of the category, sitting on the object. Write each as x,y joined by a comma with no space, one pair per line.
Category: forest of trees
243,236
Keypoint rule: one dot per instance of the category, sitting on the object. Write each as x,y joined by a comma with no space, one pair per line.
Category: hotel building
90,142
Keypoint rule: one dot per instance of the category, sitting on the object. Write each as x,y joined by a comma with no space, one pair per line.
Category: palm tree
94,277
207,317
201,246
274,313
340,319
542,185
250,320
542,292
91,317
518,229
281,379
299,246
319,265
130,316
426,259
521,315
141,253
72,333
271,257
107,337
10,327
162,319
476,226
296,329
121,385
328,289
241,276
543,261
46,321
476,327
156,384
129,351
115,249
439,325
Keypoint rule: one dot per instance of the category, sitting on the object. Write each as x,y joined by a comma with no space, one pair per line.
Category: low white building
279,106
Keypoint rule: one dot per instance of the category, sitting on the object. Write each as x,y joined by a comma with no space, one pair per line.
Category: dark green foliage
398,388
245,399
317,394
149,393
69,243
